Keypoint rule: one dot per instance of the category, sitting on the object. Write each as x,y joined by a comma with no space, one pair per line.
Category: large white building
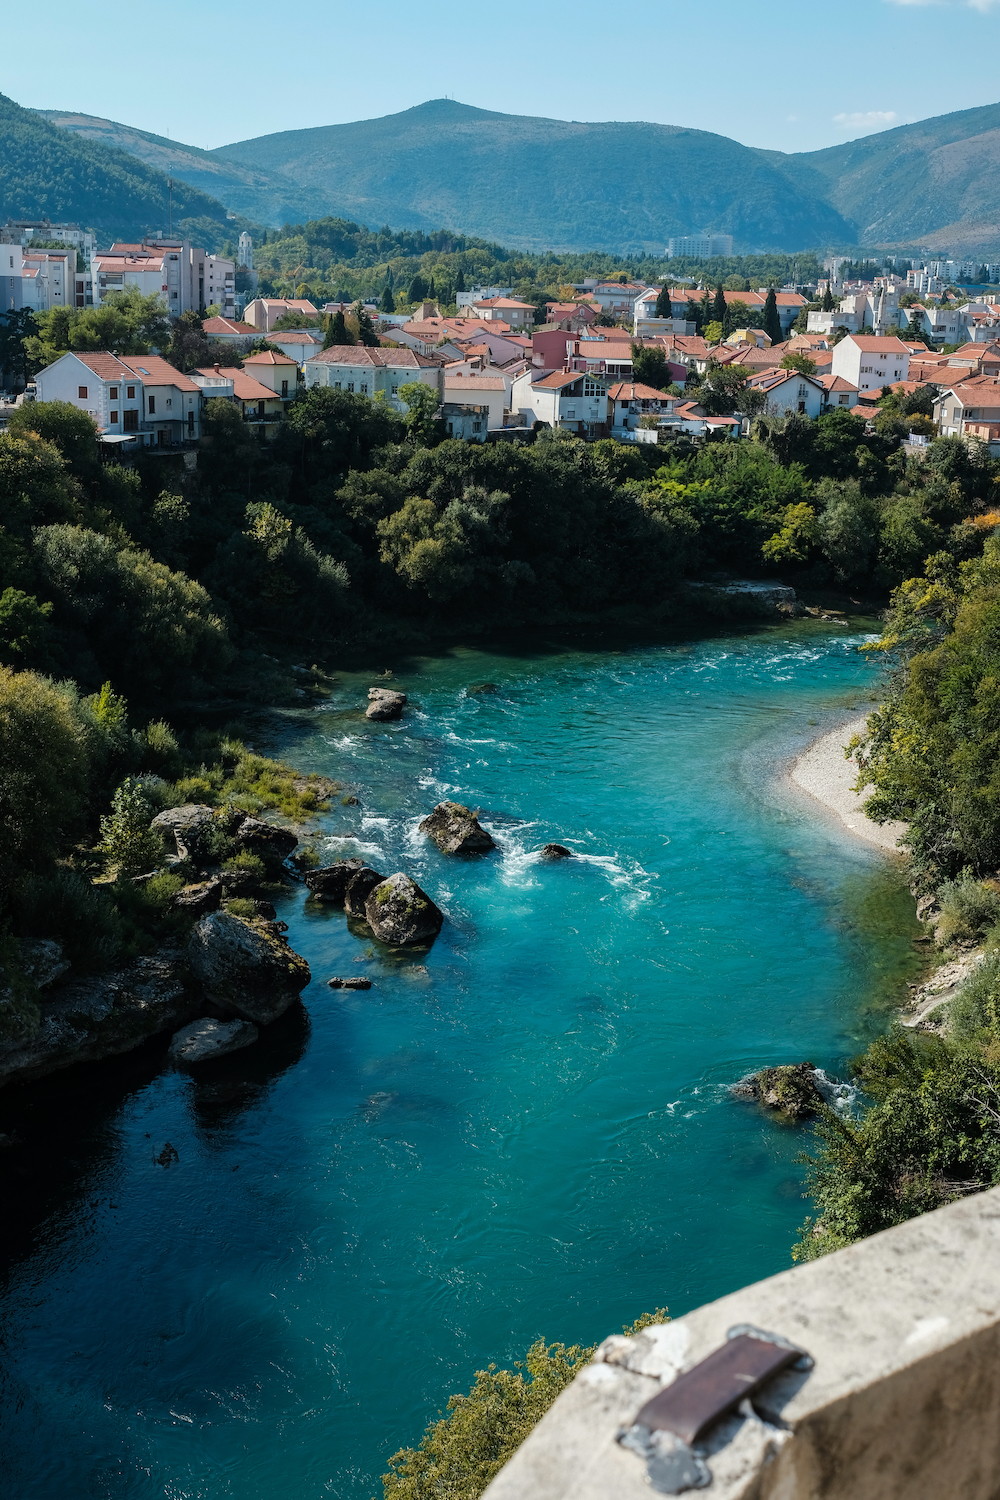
370,372
184,275
703,246
36,279
870,363
21,231
569,399
138,395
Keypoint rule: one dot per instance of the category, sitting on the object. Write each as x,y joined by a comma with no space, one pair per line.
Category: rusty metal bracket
667,1428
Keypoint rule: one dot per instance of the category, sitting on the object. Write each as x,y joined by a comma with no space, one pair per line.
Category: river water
525,1131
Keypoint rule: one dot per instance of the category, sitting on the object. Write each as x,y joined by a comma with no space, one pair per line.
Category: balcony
901,1402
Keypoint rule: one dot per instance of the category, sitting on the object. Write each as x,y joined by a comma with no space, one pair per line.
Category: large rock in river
187,824
359,888
205,1039
266,840
400,913
331,881
384,704
246,967
456,829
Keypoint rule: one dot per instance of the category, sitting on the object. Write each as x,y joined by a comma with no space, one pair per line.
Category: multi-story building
367,372
137,395
36,279
702,246
22,231
569,399
870,363
187,277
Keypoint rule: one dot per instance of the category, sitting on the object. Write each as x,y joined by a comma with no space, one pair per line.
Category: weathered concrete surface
903,1402
102,1016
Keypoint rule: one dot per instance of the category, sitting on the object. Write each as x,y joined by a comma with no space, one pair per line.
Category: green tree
772,323
366,328
828,302
650,367
422,422
460,280
387,303
337,333
23,624
719,306
71,431
130,846
662,308
44,768
712,333
417,289
16,327
799,361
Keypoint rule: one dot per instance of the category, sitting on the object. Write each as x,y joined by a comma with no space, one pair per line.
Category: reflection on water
526,1129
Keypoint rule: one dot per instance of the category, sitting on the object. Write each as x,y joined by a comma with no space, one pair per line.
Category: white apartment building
487,394
184,275
481,294
20,231
140,395
370,372
704,246
36,279
504,310
870,363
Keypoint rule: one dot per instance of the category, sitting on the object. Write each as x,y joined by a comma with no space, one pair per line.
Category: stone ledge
903,1402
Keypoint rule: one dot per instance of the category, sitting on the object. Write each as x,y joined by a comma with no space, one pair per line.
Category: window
571,415
152,405
81,393
350,385
395,390
170,401
113,417
130,393
113,393
130,421
190,422
364,388
336,385
284,388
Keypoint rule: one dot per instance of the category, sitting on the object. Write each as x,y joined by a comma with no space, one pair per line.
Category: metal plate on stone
715,1386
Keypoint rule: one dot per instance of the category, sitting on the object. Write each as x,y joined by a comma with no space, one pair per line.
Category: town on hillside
618,358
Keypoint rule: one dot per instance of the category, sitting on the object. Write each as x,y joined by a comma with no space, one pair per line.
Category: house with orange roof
229,330
260,408
505,310
569,399
840,393
971,409
790,391
369,372
629,401
264,312
139,398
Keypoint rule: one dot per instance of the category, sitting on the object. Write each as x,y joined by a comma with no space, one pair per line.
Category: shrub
162,752
43,774
249,864
241,906
977,1004
968,907
128,843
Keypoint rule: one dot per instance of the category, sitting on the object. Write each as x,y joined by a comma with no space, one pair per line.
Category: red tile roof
214,326
356,356
152,370
268,357
245,388
105,366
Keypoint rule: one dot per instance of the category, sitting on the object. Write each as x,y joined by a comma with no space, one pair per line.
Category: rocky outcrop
400,913
102,1016
246,967
44,962
271,844
791,1090
359,888
456,830
354,983
198,899
384,704
186,825
480,687
331,881
556,851
205,1039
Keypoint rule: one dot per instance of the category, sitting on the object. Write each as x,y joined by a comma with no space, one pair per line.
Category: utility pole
170,222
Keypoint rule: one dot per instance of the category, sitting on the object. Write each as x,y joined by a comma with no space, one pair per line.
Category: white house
139,394
299,344
971,409
870,363
788,390
567,398
264,312
487,393
368,372
229,331
629,402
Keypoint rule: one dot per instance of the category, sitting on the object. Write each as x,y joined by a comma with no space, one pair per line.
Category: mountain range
539,184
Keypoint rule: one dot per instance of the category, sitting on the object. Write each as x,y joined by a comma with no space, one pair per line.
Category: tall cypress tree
336,332
692,313
719,305
828,302
772,323
460,281
662,309
388,302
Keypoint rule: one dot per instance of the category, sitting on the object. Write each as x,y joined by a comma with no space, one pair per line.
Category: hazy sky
780,73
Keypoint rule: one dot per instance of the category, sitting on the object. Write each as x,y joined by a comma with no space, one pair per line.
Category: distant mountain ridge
539,184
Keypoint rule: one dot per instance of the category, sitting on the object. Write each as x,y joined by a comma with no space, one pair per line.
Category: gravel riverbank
823,772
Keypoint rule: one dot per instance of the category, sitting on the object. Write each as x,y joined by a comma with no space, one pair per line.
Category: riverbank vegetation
931,1130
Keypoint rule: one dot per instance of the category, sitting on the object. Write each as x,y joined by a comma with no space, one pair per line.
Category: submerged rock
102,1016
359,888
456,830
481,687
205,1039
790,1089
400,913
384,704
246,967
556,851
330,882
352,983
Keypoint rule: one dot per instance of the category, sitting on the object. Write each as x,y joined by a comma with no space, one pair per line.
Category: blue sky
780,73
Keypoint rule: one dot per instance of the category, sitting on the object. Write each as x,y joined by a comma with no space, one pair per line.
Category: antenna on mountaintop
170,221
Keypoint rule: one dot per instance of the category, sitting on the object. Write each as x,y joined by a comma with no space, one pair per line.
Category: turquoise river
525,1131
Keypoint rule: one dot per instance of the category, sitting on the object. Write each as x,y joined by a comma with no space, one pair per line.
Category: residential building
481,294
22,231
473,405
568,398
229,330
700,246
186,276
971,409
244,257
790,391
264,312
140,394
839,392
369,372
257,403
573,315
299,344
277,372
870,363
36,279
629,402
504,309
